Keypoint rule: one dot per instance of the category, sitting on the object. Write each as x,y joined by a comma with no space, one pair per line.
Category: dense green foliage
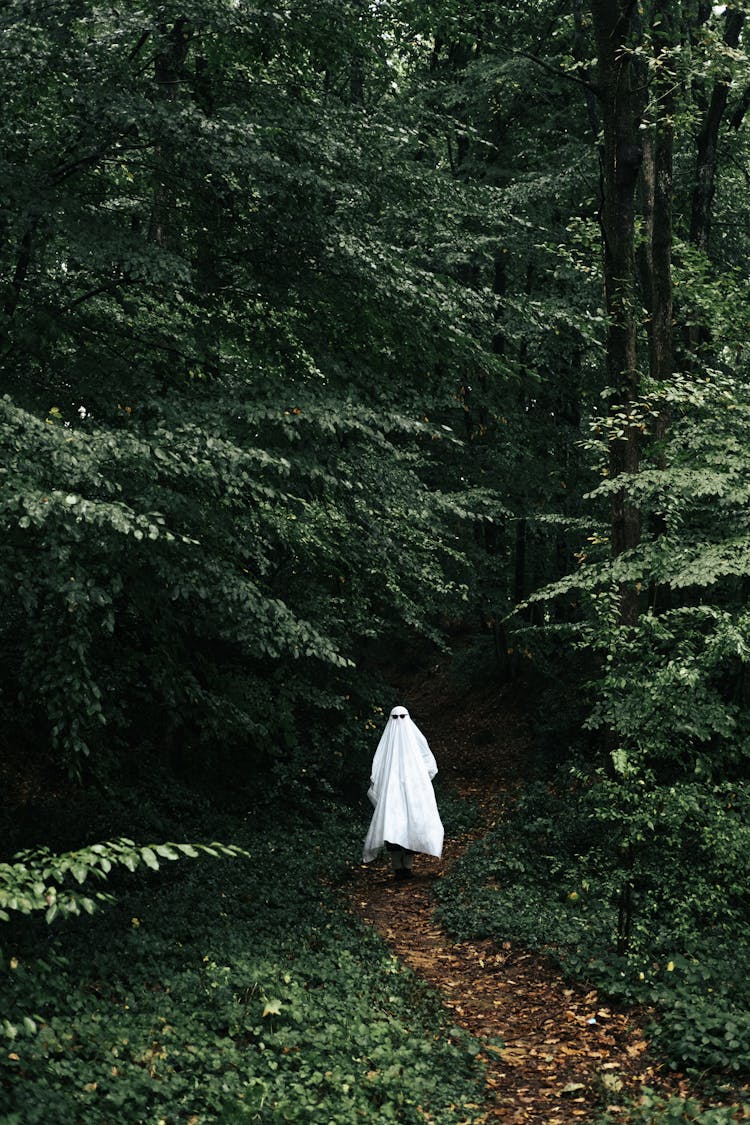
328,329
549,878
228,990
629,862
221,346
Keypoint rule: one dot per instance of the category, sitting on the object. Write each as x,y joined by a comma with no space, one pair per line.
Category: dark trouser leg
401,858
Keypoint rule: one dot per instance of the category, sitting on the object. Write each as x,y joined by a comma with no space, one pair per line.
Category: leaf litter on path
554,1053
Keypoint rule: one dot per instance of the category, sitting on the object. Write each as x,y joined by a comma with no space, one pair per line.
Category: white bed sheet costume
406,811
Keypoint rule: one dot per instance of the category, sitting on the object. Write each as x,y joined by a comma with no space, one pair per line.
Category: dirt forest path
566,1054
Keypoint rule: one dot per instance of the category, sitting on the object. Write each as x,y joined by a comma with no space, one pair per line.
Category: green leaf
149,858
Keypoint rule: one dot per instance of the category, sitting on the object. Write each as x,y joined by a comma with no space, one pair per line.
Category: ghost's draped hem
422,849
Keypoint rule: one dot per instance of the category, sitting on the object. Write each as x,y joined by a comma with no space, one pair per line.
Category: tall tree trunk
630,149
622,92
622,101
655,254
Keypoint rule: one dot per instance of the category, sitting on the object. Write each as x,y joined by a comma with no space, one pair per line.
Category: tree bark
708,141
631,149
659,231
740,110
23,261
622,92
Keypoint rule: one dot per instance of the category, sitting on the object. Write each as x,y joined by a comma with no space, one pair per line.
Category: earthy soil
566,1055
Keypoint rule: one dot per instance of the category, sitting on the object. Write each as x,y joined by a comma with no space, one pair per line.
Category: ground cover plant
549,878
650,1109
226,990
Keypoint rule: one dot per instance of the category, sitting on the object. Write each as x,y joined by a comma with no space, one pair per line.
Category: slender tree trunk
580,54
704,188
659,232
209,203
656,245
168,67
708,142
519,581
23,261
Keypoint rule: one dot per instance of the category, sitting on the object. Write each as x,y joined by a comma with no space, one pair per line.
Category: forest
356,354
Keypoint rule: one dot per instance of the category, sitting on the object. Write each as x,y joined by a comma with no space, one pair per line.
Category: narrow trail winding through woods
557,1066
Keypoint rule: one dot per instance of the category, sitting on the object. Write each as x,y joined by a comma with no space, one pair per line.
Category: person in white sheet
406,818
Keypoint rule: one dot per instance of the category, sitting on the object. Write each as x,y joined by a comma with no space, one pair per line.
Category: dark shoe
402,873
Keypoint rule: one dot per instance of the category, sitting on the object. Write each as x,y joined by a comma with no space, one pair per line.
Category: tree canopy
333,332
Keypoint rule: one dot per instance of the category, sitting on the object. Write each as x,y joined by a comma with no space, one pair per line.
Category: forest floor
567,1055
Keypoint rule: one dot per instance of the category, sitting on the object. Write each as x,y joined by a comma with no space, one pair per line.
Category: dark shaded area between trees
334,336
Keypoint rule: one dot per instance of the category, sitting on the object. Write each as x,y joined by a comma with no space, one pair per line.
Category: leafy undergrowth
226,990
651,1109
541,879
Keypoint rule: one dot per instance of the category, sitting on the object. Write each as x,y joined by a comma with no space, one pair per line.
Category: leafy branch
38,879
